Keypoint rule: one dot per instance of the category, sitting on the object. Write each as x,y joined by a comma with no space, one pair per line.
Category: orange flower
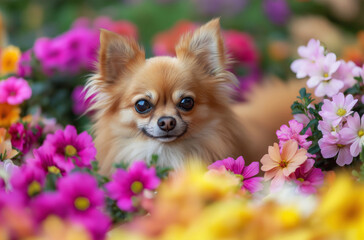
8,114
6,150
279,165
9,59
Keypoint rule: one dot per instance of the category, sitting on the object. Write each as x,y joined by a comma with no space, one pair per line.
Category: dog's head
163,98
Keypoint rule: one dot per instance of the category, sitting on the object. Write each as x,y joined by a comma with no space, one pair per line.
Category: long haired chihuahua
178,107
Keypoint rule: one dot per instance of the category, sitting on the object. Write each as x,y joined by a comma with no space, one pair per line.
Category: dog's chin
165,138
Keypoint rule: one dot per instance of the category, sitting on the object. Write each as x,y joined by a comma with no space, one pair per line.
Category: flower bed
50,187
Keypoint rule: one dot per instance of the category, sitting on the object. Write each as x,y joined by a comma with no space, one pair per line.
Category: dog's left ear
205,48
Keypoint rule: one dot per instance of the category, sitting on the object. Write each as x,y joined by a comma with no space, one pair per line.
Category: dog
179,108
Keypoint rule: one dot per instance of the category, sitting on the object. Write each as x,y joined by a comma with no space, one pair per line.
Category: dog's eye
143,106
186,104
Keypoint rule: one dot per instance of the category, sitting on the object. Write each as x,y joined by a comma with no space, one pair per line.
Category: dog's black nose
167,123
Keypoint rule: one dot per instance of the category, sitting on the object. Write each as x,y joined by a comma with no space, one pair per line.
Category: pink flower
293,132
23,137
24,67
244,173
81,193
70,149
322,76
337,109
241,47
46,204
310,54
125,185
80,103
353,133
278,165
307,177
346,72
43,159
14,91
28,180
330,147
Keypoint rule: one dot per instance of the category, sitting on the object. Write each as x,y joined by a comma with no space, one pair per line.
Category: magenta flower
24,65
353,134
125,185
80,193
322,76
330,147
310,55
28,180
46,204
293,132
22,137
70,149
43,159
337,109
245,173
80,103
14,91
307,177
95,222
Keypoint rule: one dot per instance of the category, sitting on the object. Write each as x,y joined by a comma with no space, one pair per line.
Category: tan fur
216,128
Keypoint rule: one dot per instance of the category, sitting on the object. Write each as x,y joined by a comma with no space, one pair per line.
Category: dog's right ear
118,56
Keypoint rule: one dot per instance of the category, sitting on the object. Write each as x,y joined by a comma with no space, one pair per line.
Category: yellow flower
9,114
9,60
342,209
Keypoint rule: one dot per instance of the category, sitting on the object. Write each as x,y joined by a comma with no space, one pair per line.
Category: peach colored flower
278,165
6,150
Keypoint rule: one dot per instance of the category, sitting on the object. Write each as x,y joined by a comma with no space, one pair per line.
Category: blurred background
262,36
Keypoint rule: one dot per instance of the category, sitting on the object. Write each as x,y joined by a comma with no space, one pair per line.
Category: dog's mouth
164,138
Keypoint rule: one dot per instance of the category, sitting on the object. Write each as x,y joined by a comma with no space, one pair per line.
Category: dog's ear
118,56
205,47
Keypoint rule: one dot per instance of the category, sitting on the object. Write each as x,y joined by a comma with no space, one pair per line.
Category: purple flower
70,149
293,132
322,76
24,67
353,133
337,109
330,147
127,184
80,193
28,180
310,55
245,173
220,7
307,177
14,91
277,11
80,103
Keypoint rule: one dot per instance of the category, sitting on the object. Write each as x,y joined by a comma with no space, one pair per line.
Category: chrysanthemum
8,114
71,149
9,60
127,184
279,165
244,173
14,91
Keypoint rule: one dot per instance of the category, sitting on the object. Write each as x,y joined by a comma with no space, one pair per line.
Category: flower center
136,187
361,133
53,169
340,145
283,164
34,188
82,203
70,151
301,179
326,75
341,112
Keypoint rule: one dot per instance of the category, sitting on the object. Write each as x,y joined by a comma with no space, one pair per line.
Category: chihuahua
179,108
